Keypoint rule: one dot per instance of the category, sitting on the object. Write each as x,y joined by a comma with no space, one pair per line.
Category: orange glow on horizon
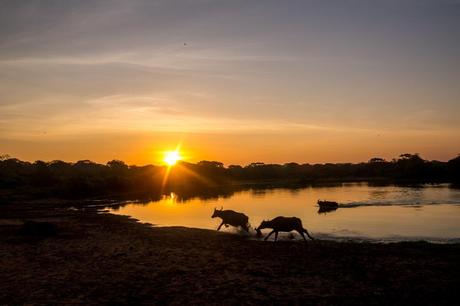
172,157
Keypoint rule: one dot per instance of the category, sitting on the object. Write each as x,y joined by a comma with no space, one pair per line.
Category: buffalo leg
308,234
276,236
303,236
220,226
269,235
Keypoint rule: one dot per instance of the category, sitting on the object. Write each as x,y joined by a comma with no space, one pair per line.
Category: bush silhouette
85,178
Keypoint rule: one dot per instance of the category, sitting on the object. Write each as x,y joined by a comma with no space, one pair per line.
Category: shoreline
102,258
318,235
217,190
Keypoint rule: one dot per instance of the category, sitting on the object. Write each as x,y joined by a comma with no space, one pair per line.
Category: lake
366,212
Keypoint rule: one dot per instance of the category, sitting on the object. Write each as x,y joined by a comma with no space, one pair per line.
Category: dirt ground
96,259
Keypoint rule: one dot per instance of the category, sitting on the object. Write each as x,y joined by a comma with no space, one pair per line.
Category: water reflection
170,199
325,210
378,211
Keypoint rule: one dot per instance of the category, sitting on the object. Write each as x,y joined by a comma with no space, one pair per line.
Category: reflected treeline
211,193
325,210
206,179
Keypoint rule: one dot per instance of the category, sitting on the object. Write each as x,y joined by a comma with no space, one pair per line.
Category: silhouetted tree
86,179
454,169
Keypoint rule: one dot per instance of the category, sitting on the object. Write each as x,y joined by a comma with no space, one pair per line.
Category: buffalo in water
233,218
283,224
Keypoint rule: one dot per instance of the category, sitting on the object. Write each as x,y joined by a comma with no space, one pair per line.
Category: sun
171,157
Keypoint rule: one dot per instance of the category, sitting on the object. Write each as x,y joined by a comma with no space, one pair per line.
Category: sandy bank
107,259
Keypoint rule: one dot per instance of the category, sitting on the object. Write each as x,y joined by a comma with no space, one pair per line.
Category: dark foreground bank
92,258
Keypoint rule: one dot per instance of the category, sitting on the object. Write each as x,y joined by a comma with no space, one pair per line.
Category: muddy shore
96,259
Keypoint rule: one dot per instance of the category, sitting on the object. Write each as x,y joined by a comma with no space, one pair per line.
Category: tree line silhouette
86,179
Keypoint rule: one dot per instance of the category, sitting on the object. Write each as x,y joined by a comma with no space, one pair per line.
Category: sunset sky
234,81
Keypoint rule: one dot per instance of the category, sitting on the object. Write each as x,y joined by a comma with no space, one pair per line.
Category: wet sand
107,259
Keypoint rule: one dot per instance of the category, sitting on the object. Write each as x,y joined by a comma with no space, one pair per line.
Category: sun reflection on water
170,199
377,211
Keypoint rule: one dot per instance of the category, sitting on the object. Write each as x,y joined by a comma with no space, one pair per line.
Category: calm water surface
387,213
